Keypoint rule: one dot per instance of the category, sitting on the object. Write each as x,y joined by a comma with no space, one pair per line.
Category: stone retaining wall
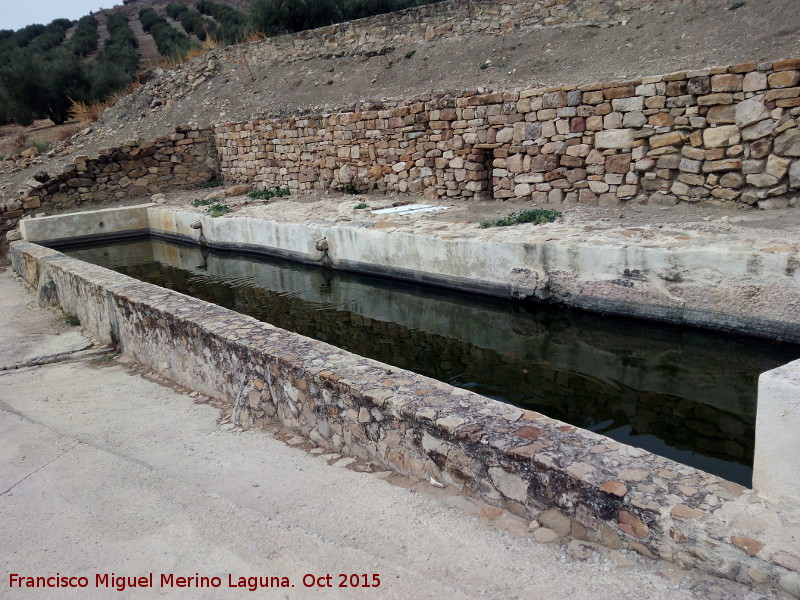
182,159
575,482
726,135
375,35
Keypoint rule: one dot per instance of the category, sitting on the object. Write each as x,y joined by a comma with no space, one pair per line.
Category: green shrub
217,210
269,194
37,85
285,16
116,66
282,16
40,148
222,13
169,41
85,38
51,37
535,216
229,26
209,184
176,10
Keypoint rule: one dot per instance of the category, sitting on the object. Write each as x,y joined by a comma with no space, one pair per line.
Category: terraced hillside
267,78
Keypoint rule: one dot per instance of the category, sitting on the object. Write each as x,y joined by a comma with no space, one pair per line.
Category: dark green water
686,394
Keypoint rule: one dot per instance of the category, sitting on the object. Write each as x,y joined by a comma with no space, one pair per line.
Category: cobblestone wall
184,158
725,135
575,482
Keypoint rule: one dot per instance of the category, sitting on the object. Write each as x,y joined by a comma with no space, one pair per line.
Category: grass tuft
217,210
535,216
269,194
209,184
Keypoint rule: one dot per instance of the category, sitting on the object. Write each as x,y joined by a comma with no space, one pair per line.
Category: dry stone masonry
376,35
725,135
137,168
382,34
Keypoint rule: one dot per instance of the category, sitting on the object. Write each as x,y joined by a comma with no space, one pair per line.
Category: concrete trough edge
588,486
746,291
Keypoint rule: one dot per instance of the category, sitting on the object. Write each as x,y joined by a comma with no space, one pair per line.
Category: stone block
722,114
688,165
758,130
718,137
619,92
554,99
751,111
728,164
714,99
634,119
760,148
628,104
543,163
794,174
508,484
669,161
698,86
754,81
732,180
668,139
753,166
618,163
762,180
788,143
777,166
555,520
726,82
784,79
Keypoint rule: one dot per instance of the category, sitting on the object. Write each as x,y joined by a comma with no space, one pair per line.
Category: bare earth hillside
679,37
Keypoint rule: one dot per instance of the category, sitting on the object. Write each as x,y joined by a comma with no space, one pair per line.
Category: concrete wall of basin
662,280
577,482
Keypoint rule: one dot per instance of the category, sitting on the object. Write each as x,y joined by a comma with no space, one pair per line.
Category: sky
16,14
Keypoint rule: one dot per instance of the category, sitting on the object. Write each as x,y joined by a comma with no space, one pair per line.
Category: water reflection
683,393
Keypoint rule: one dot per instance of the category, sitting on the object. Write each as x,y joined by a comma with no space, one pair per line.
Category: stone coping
588,485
